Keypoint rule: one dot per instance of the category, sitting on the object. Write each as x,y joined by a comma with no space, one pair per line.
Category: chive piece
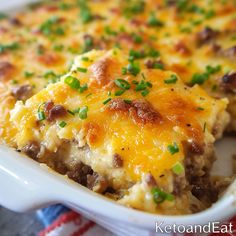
62,124
58,48
124,71
28,74
200,108
83,88
83,113
85,59
143,85
41,116
178,168
71,112
106,101
14,81
119,92
145,92
173,148
123,84
172,80
9,47
160,196
199,78
153,21
133,68
82,70
157,65
137,38
50,27
72,82
86,15
75,111
204,127
127,101
109,31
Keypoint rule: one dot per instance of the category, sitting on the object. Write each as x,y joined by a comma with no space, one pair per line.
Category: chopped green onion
200,108
173,148
124,71
123,84
160,196
109,31
133,68
71,112
28,74
153,21
143,85
82,70
119,92
106,101
85,59
137,38
178,168
145,92
9,47
83,88
41,116
204,127
127,101
75,111
58,48
172,80
83,113
72,82
62,124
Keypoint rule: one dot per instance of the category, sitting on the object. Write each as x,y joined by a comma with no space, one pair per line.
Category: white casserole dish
25,185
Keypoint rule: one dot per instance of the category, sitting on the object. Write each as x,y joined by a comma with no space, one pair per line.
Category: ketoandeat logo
210,227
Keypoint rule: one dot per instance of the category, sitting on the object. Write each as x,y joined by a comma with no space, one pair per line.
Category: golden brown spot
140,111
93,132
101,71
181,48
117,161
50,59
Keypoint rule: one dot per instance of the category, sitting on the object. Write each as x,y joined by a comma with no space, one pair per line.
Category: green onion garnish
82,70
72,82
178,168
83,88
28,74
85,59
41,116
127,101
173,148
133,68
119,92
172,80
160,196
62,124
83,113
145,92
106,101
123,84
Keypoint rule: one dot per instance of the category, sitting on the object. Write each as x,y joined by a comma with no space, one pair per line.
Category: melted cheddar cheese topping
187,37
146,130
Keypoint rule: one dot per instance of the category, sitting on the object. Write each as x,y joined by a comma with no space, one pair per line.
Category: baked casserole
136,114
